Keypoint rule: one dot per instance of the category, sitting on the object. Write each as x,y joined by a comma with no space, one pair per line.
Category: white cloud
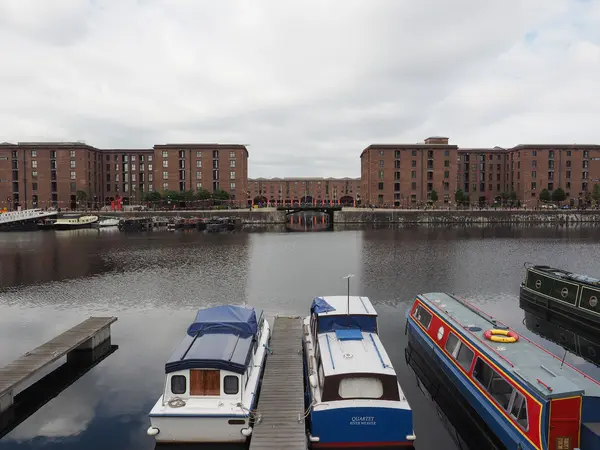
319,78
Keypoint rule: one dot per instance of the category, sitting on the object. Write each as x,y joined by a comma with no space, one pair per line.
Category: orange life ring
505,336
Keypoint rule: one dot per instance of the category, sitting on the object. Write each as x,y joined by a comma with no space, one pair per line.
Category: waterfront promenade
401,216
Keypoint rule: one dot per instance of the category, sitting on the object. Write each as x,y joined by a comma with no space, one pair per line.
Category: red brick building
320,191
406,174
74,174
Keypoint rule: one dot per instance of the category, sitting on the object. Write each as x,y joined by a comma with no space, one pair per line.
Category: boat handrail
561,359
234,347
385,366
330,354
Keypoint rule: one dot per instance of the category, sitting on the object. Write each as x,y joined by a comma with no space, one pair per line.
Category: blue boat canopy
225,319
319,305
350,334
212,351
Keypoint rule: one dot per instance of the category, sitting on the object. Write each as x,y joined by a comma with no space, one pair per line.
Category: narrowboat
565,333
212,380
569,293
353,398
524,395
72,222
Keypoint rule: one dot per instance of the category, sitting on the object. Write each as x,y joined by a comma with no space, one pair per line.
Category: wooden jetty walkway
281,402
88,335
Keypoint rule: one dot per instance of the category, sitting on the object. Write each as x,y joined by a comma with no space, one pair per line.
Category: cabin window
178,384
500,389
360,387
459,351
423,316
205,382
321,376
465,357
519,410
231,384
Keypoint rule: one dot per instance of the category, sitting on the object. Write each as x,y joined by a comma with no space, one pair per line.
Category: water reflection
155,282
309,221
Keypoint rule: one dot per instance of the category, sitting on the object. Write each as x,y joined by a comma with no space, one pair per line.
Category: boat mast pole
348,309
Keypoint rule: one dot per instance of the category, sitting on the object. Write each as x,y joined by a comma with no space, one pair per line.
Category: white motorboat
74,222
212,380
353,395
108,222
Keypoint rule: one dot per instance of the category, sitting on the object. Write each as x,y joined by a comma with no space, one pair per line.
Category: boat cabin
349,359
215,360
525,393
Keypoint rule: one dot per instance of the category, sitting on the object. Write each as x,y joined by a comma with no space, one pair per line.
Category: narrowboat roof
353,351
336,305
559,273
523,359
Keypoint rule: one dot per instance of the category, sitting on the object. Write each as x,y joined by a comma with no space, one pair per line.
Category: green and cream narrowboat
552,290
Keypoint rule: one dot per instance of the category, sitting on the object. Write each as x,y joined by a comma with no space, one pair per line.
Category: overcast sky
307,84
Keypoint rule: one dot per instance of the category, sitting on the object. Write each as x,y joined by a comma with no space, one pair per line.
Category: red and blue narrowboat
523,395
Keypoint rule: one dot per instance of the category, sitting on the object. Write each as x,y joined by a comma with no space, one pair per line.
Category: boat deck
281,402
524,359
87,335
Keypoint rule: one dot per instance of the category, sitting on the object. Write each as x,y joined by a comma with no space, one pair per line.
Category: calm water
154,284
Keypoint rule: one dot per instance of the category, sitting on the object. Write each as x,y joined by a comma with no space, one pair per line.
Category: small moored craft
108,222
212,380
521,395
72,222
353,397
573,295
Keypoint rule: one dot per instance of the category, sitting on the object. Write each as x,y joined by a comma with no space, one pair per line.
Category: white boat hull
198,429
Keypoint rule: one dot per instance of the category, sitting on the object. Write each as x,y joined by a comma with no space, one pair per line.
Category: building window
150,167
198,175
73,175
568,174
142,167
72,153
381,163
34,164
447,174
116,167
150,176
165,154
72,164
33,154
380,174
117,178
198,163
198,186
125,167
165,186
533,185
533,174
125,158
165,163
232,155
73,187
232,163
414,153
413,186
380,186
132,167
232,175
413,174
34,186
232,186
133,179
165,175
34,173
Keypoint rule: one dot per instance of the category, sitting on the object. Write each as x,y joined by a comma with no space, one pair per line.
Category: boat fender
504,336
247,431
312,438
313,380
152,431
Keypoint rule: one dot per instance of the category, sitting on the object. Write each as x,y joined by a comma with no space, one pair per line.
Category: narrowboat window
360,387
205,382
465,357
519,410
423,316
321,376
500,389
452,344
231,384
178,384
